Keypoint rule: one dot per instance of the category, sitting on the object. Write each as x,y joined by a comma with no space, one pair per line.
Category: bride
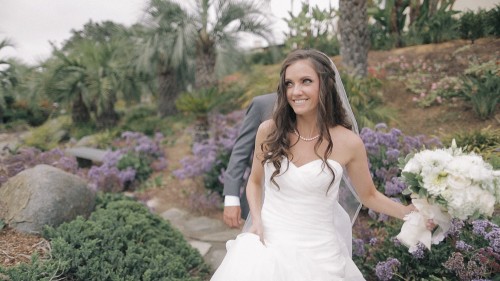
298,229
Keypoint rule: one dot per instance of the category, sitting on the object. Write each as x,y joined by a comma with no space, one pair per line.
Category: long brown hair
330,112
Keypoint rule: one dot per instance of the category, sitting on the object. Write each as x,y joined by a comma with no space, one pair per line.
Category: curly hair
330,112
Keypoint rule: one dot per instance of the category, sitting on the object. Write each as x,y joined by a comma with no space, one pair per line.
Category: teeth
299,101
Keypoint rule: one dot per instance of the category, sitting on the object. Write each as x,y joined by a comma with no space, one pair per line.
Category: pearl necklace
305,139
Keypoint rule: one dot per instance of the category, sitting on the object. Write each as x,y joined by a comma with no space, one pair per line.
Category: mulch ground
16,247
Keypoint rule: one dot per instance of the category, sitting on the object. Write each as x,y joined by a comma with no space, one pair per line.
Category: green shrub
121,240
484,142
366,101
144,119
461,240
50,134
483,92
211,178
140,163
492,21
471,25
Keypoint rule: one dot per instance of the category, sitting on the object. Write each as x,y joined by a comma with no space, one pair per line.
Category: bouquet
446,184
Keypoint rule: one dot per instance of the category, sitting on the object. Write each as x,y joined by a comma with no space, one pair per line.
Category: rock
44,195
200,226
215,258
202,247
222,236
175,216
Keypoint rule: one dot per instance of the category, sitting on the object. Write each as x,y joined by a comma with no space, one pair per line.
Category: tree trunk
205,67
433,5
396,21
414,11
354,37
201,128
107,117
79,113
168,92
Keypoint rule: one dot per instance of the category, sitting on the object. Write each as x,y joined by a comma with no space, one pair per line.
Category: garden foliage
134,158
121,240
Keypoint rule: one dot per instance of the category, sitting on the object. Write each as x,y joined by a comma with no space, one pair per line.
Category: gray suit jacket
260,109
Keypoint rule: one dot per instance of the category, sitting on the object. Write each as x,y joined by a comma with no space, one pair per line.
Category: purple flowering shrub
470,251
210,157
385,147
135,157
28,157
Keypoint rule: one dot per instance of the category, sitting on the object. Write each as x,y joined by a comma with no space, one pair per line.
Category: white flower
457,182
435,182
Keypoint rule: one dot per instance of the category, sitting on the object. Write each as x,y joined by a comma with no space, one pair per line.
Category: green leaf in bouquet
411,179
407,191
440,201
422,193
402,161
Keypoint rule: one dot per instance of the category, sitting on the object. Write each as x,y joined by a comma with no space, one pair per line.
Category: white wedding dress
307,234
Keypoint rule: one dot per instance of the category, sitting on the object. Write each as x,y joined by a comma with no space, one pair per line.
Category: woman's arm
359,173
254,186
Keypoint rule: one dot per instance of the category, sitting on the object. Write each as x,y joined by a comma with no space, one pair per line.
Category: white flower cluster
467,183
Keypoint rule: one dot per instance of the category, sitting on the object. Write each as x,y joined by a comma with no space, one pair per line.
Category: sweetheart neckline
312,161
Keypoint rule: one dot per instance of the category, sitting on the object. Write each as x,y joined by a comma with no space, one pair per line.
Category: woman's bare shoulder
266,127
346,136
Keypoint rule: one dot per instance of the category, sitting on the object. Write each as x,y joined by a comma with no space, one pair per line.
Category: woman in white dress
300,156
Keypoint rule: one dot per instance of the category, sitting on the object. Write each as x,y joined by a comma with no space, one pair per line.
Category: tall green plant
472,25
8,80
164,51
366,101
314,28
390,20
216,34
199,104
434,24
483,92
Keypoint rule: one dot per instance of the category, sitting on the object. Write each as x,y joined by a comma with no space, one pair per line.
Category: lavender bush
28,157
470,251
209,157
136,156
385,147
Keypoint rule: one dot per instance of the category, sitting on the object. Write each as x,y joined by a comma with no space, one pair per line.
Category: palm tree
214,39
93,75
8,79
354,37
67,84
164,50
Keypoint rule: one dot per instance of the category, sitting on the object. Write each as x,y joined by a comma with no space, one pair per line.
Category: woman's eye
307,81
288,84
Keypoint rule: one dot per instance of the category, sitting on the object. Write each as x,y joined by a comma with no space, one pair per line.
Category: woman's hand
430,225
258,229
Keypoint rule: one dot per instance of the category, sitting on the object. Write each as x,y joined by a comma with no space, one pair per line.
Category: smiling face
302,87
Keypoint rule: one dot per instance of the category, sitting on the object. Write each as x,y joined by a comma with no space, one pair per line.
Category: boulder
44,195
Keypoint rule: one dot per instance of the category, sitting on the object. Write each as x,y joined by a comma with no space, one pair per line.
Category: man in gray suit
260,109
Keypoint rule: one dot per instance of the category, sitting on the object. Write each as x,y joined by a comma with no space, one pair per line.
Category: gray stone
87,141
200,226
222,236
202,247
214,259
174,214
93,154
44,195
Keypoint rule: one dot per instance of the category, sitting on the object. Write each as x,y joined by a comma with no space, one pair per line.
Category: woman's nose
296,89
